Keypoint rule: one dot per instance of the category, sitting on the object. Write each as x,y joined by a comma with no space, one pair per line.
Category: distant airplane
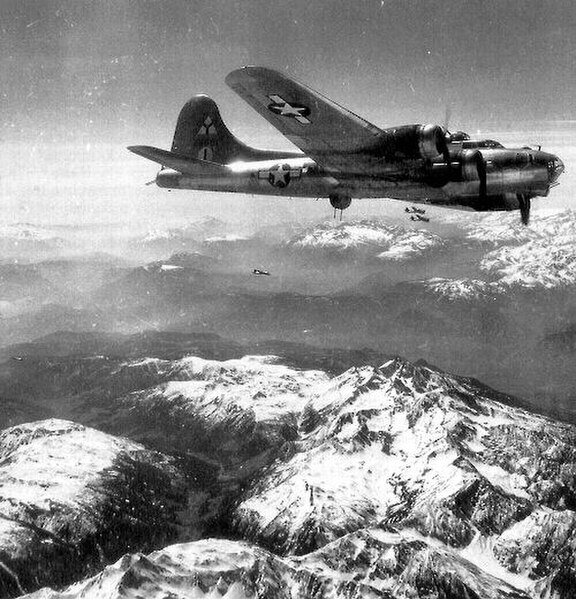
420,217
345,156
17,358
257,271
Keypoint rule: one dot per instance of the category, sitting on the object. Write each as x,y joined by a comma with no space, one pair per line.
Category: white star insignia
280,175
284,108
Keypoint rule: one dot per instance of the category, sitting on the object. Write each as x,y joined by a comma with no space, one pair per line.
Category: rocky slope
391,481
72,499
372,563
412,448
230,411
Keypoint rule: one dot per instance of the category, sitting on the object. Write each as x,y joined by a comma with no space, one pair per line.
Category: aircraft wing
322,129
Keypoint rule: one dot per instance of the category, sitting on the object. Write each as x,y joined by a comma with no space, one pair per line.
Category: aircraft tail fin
201,134
184,164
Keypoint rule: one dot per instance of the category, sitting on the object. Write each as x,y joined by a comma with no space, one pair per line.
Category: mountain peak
424,472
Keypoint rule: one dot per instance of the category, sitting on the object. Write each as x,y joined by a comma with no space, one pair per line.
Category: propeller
481,169
446,157
524,202
447,115
446,136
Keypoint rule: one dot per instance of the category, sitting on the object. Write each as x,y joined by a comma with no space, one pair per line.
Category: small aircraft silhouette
417,217
259,272
343,156
414,210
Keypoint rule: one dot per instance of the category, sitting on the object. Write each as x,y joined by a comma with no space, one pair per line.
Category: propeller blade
447,114
481,168
150,182
525,205
447,158
445,150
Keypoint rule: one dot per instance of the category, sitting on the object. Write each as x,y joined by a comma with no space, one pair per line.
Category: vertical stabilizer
201,134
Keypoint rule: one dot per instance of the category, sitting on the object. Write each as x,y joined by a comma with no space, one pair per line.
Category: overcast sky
119,70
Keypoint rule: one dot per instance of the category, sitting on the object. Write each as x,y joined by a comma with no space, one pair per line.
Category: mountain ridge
401,460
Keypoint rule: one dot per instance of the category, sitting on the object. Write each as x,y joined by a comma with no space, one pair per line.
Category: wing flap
320,127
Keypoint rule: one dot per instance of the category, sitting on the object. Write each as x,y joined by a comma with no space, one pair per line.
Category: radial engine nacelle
415,141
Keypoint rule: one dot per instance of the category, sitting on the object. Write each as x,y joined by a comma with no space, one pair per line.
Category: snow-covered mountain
546,263
515,257
391,481
541,255
196,230
446,473
463,289
23,232
196,260
378,239
412,448
498,228
73,498
229,238
256,384
166,241
24,240
371,563
235,408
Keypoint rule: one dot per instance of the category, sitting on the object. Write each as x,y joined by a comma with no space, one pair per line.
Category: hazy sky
119,70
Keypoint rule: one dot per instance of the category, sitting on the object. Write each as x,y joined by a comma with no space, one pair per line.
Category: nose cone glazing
555,169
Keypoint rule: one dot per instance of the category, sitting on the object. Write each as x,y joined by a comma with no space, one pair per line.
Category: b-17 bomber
343,156
418,217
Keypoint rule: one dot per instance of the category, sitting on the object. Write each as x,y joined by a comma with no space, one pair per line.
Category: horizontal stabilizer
184,164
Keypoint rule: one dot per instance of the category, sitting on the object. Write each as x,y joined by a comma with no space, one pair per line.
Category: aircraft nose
555,169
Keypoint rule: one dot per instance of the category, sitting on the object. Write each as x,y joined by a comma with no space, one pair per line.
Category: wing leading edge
322,129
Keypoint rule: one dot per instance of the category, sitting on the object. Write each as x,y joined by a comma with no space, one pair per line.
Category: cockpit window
483,143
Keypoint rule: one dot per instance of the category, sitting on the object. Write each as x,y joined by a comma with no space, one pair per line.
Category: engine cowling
416,141
431,141
469,161
466,165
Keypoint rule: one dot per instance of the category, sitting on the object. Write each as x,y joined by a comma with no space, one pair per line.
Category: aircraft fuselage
508,171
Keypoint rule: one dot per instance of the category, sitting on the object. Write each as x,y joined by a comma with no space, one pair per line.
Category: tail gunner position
345,156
